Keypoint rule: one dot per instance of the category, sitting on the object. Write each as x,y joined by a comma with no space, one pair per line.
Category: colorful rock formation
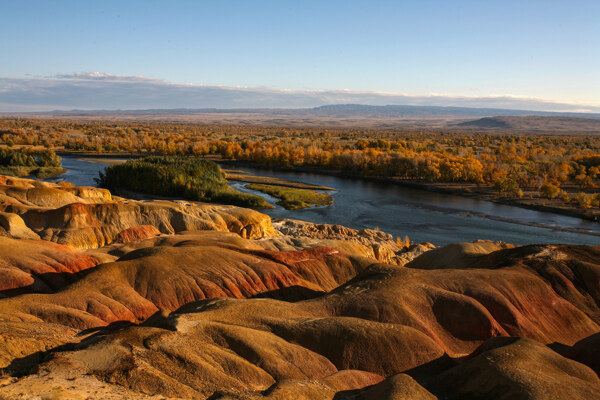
237,311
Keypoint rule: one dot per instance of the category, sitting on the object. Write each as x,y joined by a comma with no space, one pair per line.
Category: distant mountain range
536,123
343,110
357,116
431,111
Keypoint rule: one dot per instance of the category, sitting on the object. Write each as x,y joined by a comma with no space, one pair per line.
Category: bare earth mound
225,313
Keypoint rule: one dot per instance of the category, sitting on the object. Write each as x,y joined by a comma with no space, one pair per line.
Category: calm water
423,216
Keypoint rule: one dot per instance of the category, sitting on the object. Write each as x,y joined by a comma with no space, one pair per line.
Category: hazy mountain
538,123
356,116
348,111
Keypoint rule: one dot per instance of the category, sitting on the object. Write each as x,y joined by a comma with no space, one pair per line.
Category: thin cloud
96,90
100,76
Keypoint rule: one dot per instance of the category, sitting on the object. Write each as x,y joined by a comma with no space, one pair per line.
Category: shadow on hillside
106,329
25,365
290,294
47,283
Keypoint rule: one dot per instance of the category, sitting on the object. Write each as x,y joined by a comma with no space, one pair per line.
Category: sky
60,54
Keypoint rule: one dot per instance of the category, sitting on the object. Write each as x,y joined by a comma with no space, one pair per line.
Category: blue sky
539,49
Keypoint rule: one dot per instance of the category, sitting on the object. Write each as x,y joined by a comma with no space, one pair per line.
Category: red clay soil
211,314
136,233
393,327
38,266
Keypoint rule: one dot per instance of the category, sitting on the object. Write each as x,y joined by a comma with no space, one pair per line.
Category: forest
552,169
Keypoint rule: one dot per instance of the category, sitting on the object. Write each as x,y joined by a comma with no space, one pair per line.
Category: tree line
509,164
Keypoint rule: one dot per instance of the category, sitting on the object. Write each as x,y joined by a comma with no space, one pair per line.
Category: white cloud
100,76
96,90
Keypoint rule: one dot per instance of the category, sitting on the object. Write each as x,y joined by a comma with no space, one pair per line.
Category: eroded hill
187,300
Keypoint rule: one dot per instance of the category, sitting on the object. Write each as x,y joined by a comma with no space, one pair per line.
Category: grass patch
184,177
40,172
293,198
108,161
267,180
235,172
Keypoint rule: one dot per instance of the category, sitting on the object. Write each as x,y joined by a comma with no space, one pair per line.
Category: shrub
550,191
508,186
584,200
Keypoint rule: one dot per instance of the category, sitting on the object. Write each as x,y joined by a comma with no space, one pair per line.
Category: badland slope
167,299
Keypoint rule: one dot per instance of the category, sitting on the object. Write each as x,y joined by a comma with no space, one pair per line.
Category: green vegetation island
186,177
203,180
26,161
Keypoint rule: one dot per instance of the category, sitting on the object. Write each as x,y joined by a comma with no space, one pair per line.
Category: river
421,215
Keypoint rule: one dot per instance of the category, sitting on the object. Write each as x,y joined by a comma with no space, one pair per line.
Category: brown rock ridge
508,368
136,233
457,255
12,225
85,217
204,351
168,272
211,314
23,343
371,243
38,266
389,326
